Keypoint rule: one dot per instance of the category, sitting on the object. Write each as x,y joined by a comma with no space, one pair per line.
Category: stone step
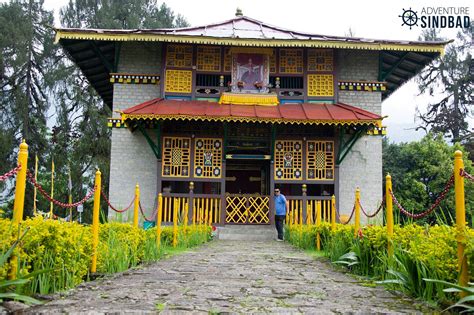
246,233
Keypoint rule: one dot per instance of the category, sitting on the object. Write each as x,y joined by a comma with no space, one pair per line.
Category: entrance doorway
247,191
247,177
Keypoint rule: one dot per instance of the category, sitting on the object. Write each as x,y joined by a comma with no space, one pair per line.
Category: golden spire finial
238,12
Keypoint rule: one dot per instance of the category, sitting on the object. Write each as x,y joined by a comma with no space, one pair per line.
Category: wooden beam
383,75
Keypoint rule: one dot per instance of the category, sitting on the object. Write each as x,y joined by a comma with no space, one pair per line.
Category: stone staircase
247,233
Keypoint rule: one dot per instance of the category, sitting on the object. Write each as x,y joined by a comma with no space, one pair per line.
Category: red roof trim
161,108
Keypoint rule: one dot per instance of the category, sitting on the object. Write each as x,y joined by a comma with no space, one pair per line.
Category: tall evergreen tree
120,14
26,60
451,80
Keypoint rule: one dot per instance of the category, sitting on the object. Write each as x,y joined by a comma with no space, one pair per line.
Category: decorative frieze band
116,123
134,78
362,86
377,131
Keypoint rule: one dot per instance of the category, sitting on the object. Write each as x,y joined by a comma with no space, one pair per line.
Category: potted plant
258,85
240,85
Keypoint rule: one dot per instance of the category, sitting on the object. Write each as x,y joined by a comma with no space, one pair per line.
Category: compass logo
409,17
437,17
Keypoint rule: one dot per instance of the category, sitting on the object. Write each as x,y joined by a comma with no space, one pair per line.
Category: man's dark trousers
279,219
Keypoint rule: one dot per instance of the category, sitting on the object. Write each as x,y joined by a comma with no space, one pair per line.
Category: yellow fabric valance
249,99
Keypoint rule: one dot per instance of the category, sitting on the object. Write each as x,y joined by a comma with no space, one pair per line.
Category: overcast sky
370,19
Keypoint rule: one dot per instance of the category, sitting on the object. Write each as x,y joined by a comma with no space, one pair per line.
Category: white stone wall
132,160
362,166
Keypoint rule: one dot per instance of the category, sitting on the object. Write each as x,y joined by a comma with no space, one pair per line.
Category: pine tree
451,80
26,60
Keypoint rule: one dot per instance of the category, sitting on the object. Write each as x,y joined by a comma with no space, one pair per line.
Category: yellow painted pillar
20,187
296,214
210,214
333,213
318,223
389,209
136,205
460,219
51,205
95,220
175,223
185,220
357,212
205,212
19,202
194,211
159,213
34,189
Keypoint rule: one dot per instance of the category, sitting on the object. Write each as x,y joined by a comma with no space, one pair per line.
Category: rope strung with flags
32,180
10,173
112,207
423,214
143,213
376,212
350,217
465,174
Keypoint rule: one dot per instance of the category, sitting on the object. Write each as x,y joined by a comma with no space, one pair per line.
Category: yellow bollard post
460,219
159,213
333,213
186,212
194,211
19,202
357,212
95,220
318,223
389,218
185,220
51,205
136,205
34,189
296,213
205,213
210,213
175,223
20,187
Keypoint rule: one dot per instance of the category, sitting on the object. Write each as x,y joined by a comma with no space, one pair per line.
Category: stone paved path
236,277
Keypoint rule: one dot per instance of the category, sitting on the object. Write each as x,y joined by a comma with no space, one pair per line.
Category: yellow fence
212,205
205,209
296,212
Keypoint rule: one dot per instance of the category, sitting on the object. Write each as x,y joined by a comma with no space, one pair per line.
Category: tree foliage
420,171
47,100
120,14
450,80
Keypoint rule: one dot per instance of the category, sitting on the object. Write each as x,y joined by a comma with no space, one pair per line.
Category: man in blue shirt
281,206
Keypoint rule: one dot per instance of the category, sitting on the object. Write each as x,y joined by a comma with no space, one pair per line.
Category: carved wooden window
320,85
179,56
178,81
208,158
319,160
291,61
176,157
288,160
320,60
208,59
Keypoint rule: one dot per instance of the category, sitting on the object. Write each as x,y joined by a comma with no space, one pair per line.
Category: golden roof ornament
238,12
